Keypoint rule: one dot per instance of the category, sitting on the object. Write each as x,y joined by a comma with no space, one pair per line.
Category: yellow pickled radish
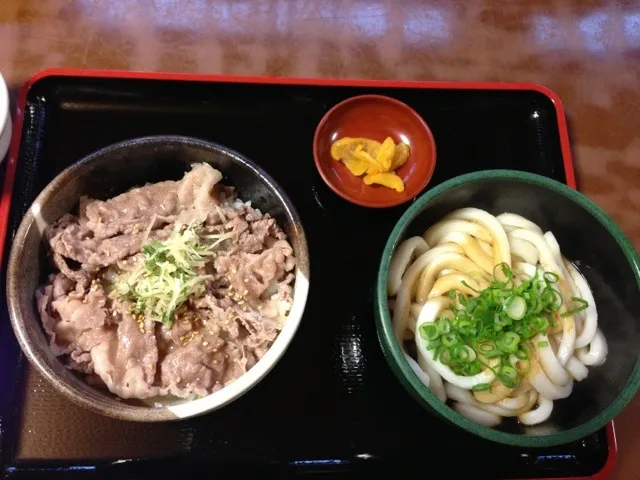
400,155
386,153
356,167
390,180
374,165
377,161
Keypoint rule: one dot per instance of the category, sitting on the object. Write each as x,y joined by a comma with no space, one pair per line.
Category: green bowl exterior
416,389
401,369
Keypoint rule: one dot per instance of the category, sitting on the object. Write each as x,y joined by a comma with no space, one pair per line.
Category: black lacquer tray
331,406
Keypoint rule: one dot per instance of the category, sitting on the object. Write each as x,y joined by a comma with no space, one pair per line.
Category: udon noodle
503,324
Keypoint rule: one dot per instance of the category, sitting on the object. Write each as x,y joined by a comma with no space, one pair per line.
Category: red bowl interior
375,117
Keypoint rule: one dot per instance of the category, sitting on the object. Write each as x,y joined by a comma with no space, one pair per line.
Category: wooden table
588,52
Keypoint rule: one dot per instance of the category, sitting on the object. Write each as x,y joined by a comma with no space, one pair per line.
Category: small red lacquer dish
375,117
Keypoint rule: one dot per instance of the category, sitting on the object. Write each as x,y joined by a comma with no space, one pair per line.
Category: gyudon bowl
158,278
507,303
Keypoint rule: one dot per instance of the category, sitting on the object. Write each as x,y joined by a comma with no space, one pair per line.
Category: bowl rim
4,103
386,98
409,379
5,114
184,409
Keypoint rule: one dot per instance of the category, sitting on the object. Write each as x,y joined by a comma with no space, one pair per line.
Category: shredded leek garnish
489,330
168,273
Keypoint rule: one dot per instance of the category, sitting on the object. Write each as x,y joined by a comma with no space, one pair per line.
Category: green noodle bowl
491,317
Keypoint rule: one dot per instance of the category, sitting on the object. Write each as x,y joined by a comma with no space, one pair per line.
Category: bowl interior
589,239
107,173
375,117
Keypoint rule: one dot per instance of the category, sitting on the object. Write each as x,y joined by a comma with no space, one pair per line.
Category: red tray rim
567,157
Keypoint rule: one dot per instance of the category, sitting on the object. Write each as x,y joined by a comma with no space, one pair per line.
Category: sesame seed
204,344
84,300
259,307
124,262
178,380
240,302
99,219
107,253
233,270
114,313
215,362
245,292
210,332
246,280
245,309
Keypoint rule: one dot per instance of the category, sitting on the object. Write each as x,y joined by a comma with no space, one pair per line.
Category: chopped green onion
444,326
540,324
509,376
497,324
450,340
543,344
521,354
583,304
464,282
481,387
494,353
433,344
429,331
516,308
501,321
168,273
508,342
464,354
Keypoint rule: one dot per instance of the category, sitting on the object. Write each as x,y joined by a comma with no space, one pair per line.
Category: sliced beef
190,370
80,321
81,276
132,210
62,285
71,239
127,362
43,301
251,275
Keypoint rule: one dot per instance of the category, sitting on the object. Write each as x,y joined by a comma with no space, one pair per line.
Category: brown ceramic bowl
102,175
375,117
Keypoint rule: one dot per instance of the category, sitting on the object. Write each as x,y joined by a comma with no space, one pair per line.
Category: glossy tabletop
588,52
